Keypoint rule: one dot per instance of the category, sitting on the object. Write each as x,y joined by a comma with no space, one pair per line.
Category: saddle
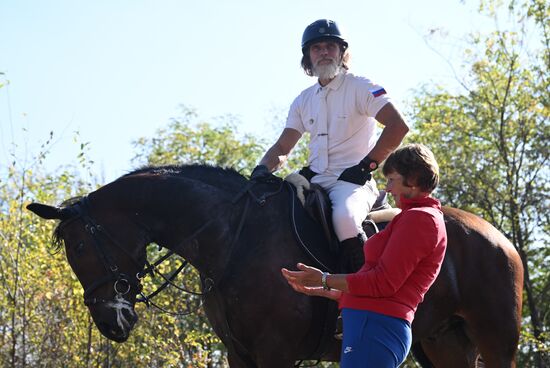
315,211
317,204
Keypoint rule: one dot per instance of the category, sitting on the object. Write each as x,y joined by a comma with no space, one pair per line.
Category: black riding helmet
322,29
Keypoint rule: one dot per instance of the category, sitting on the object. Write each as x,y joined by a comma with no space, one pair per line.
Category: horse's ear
48,212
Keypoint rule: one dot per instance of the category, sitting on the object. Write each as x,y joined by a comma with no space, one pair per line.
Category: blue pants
374,340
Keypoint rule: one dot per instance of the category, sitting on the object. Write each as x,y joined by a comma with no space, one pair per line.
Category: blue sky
118,70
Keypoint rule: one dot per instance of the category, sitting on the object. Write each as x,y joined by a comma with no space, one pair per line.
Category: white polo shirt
342,130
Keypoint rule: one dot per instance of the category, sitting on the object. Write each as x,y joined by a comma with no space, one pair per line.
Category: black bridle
123,283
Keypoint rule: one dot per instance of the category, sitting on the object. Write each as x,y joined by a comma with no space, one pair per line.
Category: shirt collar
335,83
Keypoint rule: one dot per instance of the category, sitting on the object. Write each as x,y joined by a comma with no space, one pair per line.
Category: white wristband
324,281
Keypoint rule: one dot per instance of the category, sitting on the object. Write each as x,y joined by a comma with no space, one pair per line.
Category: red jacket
401,262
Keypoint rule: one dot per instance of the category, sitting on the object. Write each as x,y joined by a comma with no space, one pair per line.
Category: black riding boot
352,257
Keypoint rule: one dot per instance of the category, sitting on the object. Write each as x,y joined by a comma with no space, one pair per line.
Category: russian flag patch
378,92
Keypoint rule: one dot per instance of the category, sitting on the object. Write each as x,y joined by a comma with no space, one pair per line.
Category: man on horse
340,113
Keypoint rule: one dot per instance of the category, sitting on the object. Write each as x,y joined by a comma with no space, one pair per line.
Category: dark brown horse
238,235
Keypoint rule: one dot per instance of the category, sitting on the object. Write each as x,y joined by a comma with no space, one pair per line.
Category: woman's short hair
417,164
308,66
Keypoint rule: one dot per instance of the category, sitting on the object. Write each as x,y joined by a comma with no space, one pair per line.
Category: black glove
261,174
360,173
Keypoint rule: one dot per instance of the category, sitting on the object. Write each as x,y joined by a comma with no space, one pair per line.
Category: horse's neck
193,218
195,221
172,207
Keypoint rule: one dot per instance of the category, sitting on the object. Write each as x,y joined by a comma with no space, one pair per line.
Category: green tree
41,321
492,144
188,140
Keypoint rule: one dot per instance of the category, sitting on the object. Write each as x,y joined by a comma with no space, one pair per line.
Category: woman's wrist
324,280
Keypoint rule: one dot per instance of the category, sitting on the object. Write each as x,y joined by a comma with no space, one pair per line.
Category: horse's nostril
130,316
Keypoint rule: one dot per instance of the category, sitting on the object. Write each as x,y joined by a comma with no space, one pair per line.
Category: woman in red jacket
401,263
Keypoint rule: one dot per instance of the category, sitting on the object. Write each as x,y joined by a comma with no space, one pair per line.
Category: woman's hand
308,281
306,276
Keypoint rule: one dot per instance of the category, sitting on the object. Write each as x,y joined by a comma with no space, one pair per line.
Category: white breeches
350,203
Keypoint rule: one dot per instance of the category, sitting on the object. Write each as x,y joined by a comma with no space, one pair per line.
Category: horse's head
106,265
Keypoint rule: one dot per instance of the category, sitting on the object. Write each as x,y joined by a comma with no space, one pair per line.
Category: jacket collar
407,203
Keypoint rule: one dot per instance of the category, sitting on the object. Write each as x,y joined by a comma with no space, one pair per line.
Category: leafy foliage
492,145
189,140
43,321
491,141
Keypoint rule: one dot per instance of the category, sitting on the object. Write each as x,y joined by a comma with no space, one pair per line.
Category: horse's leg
269,326
274,342
492,312
236,361
275,361
450,349
218,320
496,340
420,355
490,277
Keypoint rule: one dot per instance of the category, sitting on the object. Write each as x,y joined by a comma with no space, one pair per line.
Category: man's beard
326,71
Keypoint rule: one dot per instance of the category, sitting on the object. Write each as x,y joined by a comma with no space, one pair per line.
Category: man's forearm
389,140
276,156
395,129
272,159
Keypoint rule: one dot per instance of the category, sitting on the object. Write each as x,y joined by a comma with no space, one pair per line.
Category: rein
124,283
208,282
168,281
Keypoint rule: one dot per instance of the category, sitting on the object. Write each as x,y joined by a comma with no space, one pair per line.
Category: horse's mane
221,177
181,169
224,178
